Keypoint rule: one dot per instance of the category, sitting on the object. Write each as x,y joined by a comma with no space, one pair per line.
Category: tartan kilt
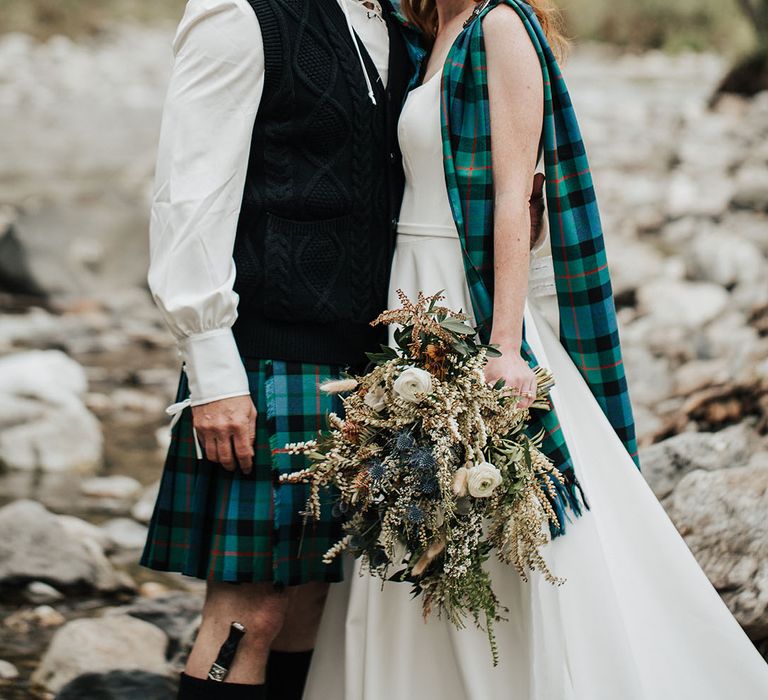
225,526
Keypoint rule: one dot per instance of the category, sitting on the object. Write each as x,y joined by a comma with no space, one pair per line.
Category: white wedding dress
637,619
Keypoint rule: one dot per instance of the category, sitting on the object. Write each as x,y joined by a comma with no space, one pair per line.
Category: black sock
287,674
191,688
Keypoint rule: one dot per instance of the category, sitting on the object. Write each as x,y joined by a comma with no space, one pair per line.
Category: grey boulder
101,645
35,547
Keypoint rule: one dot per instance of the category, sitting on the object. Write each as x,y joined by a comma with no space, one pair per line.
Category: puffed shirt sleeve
210,109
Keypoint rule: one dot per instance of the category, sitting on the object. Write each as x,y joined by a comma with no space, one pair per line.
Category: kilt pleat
227,526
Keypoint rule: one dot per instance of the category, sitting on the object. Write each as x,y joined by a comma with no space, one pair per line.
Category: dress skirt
636,619
225,526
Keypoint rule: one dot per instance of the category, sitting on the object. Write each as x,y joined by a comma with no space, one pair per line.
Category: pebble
125,533
115,486
690,304
27,619
145,506
40,592
8,672
47,616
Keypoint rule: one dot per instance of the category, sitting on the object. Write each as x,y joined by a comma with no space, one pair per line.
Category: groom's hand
536,204
227,431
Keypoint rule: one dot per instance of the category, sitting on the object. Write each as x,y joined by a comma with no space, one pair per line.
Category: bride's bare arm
515,91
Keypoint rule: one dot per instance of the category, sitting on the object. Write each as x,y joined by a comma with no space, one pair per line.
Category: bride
637,618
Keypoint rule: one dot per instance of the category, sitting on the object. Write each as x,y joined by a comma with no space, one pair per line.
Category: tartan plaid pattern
217,525
588,326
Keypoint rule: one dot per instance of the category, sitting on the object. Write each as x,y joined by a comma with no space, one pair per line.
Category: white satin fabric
636,619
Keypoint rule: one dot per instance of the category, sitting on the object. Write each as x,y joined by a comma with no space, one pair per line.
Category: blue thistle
415,514
422,459
404,441
429,486
376,469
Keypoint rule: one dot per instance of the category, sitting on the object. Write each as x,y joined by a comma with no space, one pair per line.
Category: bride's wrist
507,345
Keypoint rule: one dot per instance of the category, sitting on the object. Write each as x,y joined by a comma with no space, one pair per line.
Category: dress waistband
431,230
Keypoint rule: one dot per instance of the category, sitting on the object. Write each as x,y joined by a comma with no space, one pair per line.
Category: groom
288,110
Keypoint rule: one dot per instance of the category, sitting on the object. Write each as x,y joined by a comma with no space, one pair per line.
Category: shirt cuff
213,365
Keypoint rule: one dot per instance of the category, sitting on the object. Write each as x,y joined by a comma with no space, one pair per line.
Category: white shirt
210,109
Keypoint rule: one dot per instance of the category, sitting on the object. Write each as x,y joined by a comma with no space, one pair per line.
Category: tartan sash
588,327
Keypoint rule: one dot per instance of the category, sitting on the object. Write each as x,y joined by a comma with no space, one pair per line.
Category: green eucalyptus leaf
379,358
454,325
492,350
389,351
461,348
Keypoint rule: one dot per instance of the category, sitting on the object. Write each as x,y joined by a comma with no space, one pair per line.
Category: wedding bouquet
433,469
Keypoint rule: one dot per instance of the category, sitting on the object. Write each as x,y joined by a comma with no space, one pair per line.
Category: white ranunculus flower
375,398
483,479
413,384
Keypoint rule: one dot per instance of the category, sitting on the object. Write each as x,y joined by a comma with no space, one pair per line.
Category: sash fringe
568,496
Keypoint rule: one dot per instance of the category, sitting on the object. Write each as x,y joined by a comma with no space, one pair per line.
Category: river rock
82,530
749,225
691,304
35,547
26,620
662,338
119,685
699,195
666,463
15,274
699,374
721,514
46,375
145,506
649,378
116,487
55,432
38,592
725,259
137,401
125,533
647,423
632,265
62,438
101,645
751,191
41,329
731,338
8,672
177,614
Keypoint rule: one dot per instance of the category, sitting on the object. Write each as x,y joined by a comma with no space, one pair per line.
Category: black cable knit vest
323,189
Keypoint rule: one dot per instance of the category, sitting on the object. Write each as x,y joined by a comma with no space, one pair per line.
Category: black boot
198,689
287,674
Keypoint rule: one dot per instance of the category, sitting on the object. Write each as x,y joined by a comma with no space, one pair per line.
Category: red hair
423,13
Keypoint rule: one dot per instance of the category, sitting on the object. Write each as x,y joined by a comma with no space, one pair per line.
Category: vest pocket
306,269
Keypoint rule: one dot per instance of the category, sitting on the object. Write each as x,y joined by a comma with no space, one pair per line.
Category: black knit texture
316,231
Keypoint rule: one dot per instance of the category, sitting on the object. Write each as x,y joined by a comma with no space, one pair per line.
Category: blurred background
673,99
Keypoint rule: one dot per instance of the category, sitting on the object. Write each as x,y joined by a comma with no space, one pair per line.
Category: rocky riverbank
86,366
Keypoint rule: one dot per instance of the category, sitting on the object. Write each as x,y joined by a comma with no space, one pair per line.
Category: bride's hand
516,373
